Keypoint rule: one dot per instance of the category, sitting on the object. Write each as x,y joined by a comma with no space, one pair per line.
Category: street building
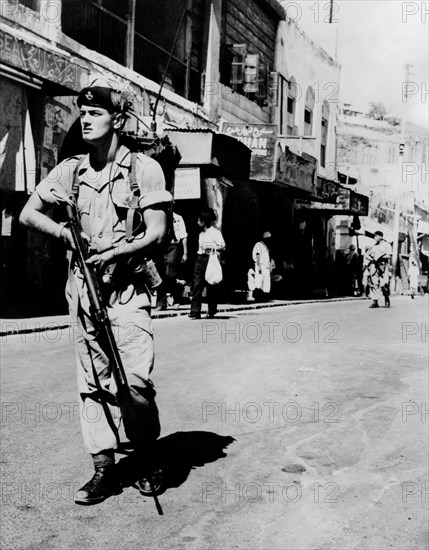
226,81
369,160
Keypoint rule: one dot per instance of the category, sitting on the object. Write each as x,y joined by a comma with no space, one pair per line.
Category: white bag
213,270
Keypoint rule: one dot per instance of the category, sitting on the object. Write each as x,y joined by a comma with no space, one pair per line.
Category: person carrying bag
207,270
213,270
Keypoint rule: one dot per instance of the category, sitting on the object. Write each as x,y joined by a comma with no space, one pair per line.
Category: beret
97,96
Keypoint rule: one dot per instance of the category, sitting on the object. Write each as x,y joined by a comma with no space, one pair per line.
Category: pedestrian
101,184
176,255
210,241
263,266
377,260
360,273
413,276
352,270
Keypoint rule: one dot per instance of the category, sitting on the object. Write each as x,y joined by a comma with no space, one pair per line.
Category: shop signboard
261,139
187,183
359,204
40,62
348,203
295,171
327,190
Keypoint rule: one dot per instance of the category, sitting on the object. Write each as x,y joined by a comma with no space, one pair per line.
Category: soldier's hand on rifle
67,237
99,261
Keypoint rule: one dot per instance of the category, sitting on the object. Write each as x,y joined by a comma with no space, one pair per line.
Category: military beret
97,96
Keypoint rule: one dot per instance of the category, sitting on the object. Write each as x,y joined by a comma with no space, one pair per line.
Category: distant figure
352,270
263,266
413,276
377,260
365,274
210,241
176,254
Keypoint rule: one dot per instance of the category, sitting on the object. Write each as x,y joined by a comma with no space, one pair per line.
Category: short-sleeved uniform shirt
105,196
382,248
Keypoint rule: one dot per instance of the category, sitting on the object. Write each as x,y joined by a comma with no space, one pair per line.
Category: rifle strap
135,189
74,193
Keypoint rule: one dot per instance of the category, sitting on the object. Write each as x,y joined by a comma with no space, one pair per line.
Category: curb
52,325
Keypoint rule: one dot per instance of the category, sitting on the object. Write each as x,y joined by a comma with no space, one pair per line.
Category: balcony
101,30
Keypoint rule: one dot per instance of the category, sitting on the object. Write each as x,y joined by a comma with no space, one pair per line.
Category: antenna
153,124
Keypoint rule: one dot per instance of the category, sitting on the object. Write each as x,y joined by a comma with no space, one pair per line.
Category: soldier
377,260
100,183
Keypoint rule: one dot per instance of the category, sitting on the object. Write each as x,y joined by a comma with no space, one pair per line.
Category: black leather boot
103,484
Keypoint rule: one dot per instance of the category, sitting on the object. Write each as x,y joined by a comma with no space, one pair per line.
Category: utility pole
395,252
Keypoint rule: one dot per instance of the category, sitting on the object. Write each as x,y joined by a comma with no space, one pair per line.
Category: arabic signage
295,171
348,203
326,190
261,139
39,62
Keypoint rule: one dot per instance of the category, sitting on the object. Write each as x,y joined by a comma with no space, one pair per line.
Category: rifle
100,319
99,313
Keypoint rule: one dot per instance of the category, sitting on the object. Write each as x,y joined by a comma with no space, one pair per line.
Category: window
324,133
308,112
292,94
246,73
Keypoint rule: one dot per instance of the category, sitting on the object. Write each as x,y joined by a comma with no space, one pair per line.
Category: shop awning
216,154
347,203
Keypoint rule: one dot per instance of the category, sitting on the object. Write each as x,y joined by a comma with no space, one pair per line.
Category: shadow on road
177,454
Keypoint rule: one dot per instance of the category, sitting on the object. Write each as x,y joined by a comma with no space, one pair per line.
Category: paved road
290,428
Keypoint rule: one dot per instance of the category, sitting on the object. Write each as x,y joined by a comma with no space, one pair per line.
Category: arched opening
324,133
308,112
292,95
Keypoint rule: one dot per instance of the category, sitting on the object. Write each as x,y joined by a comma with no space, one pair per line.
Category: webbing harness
134,188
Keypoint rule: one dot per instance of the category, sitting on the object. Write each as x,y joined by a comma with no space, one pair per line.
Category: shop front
267,202
327,268
37,88
211,167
